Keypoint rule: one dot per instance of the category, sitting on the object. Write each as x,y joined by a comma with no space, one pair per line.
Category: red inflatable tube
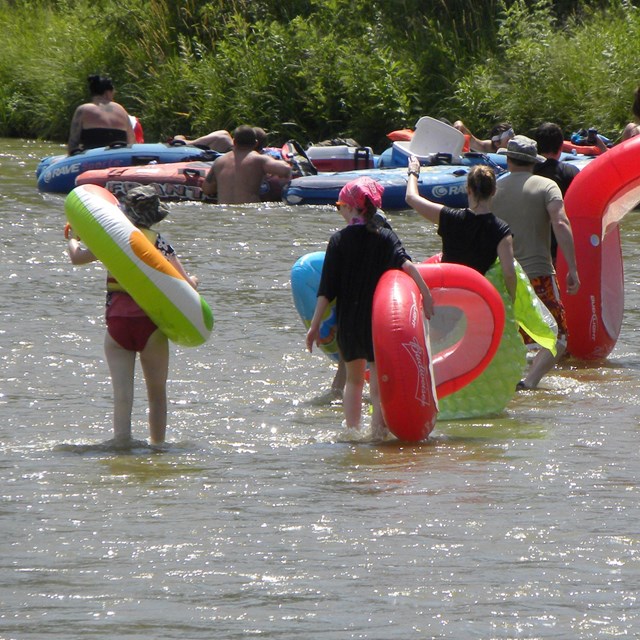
597,200
465,331
455,286
405,377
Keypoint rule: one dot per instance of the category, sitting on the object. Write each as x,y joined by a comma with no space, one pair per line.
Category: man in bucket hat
533,206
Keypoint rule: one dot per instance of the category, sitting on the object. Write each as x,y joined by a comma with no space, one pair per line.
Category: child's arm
314,328
427,301
192,280
78,254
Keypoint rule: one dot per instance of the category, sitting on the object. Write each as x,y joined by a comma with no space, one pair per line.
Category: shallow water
258,519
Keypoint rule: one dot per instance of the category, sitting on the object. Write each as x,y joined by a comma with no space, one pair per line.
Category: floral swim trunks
546,288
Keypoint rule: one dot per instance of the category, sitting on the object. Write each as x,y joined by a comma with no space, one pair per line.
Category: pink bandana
356,192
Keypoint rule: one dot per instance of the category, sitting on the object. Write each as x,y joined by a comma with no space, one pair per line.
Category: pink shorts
131,334
127,323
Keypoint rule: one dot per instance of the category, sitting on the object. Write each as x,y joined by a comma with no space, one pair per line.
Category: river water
260,520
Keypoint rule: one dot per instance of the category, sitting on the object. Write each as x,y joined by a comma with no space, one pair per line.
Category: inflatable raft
172,181
445,184
57,174
597,200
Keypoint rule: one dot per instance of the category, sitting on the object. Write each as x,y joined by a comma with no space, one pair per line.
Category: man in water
100,122
236,176
533,206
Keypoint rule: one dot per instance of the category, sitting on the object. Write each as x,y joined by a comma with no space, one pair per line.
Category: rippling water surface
259,520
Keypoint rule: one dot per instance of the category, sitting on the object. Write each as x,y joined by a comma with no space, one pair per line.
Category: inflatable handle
117,145
68,232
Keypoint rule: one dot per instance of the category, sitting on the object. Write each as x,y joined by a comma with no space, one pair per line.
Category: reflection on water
262,516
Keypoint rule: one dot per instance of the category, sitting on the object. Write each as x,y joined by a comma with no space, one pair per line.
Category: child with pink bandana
356,258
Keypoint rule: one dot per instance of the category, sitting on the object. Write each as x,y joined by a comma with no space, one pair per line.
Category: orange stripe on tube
144,250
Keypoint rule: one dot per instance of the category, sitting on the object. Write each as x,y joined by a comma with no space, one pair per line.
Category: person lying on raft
220,141
473,236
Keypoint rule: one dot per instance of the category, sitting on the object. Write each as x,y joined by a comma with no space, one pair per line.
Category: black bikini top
102,137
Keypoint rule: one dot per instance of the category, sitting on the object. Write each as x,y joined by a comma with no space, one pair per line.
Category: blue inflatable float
445,184
57,174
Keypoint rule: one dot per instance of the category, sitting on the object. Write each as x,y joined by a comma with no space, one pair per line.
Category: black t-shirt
471,239
562,173
355,260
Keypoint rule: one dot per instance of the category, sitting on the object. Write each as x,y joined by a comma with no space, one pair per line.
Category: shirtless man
100,122
236,176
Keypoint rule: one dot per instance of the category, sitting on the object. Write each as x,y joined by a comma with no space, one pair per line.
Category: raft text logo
593,323
442,191
418,355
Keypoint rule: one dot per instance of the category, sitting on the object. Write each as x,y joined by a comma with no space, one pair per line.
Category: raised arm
426,208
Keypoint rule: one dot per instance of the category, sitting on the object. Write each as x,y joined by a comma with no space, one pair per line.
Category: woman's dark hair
368,212
482,181
99,84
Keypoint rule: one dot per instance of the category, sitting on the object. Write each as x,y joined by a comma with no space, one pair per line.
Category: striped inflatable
150,279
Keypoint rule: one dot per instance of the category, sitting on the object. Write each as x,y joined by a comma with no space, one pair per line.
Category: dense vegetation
314,69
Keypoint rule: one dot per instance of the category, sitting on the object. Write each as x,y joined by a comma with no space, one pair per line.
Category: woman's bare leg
378,426
352,401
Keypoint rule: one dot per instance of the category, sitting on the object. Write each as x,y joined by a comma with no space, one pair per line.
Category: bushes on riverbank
320,69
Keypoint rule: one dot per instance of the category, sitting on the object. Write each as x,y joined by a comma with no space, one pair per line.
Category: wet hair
636,103
549,137
244,136
481,181
99,84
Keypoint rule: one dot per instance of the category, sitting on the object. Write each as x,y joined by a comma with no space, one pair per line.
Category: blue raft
445,184
57,174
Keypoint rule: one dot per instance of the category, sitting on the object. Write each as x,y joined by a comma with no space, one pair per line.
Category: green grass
328,68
